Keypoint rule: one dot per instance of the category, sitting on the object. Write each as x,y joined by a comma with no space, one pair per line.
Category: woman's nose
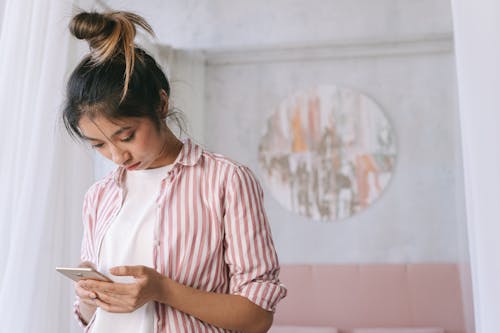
119,156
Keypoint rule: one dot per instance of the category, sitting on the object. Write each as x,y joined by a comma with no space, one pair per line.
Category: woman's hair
116,79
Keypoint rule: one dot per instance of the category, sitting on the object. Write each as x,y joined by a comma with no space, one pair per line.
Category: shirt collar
189,155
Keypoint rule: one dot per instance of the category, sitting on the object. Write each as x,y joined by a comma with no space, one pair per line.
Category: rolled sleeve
265,294
250,253
86,248
77,314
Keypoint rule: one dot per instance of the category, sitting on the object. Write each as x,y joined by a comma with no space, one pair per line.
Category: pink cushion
398,330
372,295
302,329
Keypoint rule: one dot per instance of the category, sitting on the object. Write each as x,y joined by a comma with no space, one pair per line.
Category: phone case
77,274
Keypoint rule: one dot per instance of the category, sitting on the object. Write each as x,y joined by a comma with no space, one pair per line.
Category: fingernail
92,296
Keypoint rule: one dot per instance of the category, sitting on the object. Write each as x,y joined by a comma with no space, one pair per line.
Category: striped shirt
211,233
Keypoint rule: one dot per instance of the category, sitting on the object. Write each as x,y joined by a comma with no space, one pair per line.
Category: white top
127,243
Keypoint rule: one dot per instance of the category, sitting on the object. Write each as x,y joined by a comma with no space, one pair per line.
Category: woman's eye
129,138
98,145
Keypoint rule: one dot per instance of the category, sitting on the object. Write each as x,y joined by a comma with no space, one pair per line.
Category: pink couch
349,297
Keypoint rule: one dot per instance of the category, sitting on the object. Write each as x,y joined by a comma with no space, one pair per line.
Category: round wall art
327,153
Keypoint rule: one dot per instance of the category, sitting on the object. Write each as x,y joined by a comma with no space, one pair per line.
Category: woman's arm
86,311
232,312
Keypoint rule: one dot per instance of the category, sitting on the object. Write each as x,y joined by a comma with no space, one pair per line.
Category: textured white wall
415,220
227,23
419,218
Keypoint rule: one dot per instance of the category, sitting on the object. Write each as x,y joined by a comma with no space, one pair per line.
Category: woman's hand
87,304
86,296
125,297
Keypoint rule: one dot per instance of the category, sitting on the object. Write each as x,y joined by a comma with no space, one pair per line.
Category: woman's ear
163,110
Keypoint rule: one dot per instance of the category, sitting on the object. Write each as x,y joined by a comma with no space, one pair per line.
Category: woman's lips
133,166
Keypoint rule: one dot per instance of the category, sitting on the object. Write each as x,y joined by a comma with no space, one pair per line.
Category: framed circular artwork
327,152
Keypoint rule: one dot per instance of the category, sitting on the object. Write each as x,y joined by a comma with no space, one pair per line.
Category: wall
225,23
420,215
417,218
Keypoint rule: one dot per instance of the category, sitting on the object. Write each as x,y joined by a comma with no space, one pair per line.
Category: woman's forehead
100,127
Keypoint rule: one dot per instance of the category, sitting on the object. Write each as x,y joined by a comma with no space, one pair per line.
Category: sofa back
349,296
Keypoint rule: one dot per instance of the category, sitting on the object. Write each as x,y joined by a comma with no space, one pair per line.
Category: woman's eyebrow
119,131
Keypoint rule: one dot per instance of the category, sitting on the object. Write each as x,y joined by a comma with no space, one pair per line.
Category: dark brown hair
116,79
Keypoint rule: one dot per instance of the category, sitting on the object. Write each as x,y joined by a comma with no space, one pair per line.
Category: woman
181,231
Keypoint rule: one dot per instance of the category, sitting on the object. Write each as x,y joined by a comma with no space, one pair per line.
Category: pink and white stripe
212,233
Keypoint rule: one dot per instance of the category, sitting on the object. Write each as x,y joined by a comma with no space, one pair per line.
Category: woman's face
134,143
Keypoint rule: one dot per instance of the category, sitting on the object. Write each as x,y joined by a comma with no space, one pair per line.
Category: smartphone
82,273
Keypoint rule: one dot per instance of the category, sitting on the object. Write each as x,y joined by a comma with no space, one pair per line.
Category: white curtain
43,174
2,5
477,26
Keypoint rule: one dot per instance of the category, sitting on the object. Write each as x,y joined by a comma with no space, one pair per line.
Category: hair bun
108,35
92,25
